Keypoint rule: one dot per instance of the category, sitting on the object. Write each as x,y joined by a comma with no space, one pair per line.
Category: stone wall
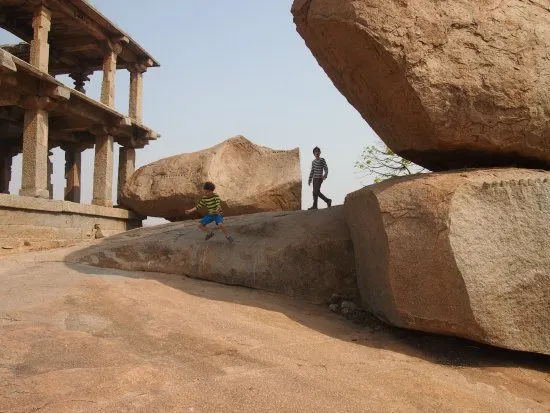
43,223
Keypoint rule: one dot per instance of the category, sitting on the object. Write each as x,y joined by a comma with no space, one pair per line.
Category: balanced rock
446,84
458,253
306,254
248,178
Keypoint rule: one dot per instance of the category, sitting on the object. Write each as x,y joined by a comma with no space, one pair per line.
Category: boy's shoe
230,239
208,236
313,207
329,203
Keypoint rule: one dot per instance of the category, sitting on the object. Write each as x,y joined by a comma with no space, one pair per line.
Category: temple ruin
39,113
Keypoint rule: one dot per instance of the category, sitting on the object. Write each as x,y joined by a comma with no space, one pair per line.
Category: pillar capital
137,68
39,102
42,17
115,45
73,146
102,130
56,92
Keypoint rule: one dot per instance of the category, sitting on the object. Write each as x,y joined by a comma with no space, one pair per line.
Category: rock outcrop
459,253
249,179
301,254
445,84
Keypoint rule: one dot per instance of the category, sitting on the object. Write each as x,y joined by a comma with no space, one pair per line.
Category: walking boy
213,203
317,177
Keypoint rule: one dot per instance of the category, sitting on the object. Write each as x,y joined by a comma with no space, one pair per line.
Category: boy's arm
325,167
310,175
199,205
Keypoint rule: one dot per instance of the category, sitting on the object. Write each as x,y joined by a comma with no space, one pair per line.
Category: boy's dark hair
209,186
317,149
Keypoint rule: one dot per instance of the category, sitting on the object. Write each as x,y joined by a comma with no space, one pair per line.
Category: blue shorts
207,219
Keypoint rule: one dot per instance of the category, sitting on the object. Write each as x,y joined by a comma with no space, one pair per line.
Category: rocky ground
79,338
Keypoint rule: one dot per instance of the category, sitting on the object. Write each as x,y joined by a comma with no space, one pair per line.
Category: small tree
382,163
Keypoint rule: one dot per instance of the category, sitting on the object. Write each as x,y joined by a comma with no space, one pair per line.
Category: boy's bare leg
203,228
209,234
224,230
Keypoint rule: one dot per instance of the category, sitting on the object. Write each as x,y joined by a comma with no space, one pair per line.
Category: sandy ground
81,339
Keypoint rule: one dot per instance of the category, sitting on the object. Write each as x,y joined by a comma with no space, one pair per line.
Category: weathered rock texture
249,178
464,253
445,84
301,254
74,338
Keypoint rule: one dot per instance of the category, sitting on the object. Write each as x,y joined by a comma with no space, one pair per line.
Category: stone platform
44,223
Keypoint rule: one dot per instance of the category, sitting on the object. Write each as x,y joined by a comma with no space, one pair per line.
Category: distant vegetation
381,163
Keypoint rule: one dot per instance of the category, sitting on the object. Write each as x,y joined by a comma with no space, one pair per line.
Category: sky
228,68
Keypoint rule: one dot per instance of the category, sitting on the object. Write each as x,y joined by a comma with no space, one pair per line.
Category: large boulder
306,254
445,84
249,178
459,253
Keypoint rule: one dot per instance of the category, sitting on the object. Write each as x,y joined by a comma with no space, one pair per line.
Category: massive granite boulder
459,253
306,254
249,178
446,84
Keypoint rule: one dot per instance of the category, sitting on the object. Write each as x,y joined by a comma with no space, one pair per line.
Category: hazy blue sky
230,68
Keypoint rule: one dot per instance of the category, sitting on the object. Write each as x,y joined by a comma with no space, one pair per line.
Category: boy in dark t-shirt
318,166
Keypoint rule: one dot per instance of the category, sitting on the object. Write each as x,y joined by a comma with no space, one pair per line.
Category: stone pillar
112,49
40,49
136,91
108,84
73,165
35,149
80,78
103,170
49,176
5,170
126,166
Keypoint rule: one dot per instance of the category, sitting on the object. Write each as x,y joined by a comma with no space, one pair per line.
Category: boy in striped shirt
317,177
213,203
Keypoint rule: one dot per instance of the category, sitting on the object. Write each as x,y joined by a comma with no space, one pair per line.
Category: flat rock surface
79,338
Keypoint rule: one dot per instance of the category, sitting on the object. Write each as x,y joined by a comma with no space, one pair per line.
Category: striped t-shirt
317,167
212,203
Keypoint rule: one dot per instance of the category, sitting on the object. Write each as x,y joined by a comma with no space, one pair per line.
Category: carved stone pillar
136,91
73,168
126,166
34,180
112,50
40,49
103,169
49,176
108,84
80,79
6,158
